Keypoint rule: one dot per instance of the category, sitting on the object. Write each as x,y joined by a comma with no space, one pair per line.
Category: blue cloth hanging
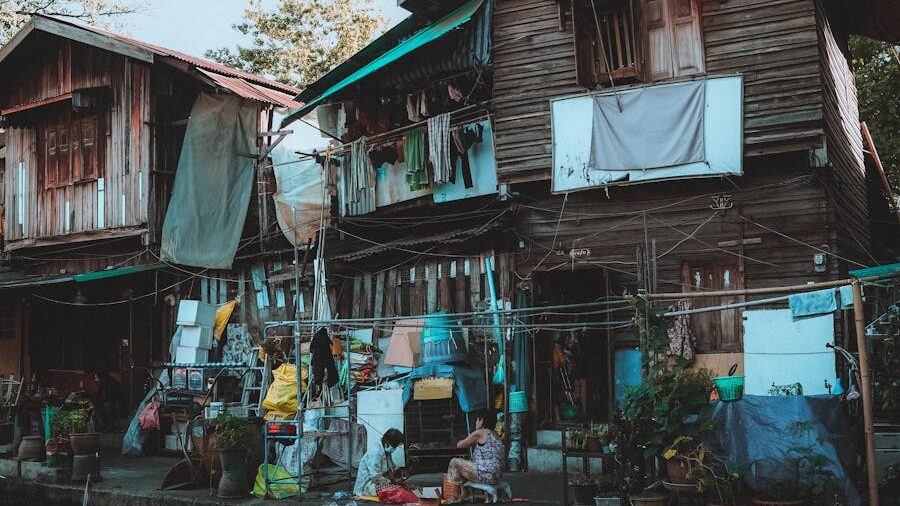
813,303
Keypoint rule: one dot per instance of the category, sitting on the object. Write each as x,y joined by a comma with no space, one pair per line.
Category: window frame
80,130
723,339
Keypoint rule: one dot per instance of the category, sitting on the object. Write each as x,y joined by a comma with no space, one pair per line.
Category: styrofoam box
191,355
196,336
194,312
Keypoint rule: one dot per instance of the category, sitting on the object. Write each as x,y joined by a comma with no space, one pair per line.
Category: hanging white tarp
299,196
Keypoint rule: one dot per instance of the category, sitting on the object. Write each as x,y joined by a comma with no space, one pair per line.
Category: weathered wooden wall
786,198
774,45
847,181
125,176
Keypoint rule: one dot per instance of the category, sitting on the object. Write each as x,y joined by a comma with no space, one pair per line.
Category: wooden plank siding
125,173
846,178
773,43
614,228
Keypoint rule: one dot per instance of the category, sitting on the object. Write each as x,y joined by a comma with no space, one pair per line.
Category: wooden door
715,331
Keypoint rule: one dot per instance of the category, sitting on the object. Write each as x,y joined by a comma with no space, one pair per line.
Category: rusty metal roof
241,83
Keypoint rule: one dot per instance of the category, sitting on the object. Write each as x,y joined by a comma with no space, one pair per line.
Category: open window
621,41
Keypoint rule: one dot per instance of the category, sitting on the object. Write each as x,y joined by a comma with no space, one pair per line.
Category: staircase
546,456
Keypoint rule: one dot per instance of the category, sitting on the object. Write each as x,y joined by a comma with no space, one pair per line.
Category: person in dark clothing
322,361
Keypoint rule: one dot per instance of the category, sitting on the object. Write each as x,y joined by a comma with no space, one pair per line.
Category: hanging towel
359,186
846,293
414,154
439,147
813,303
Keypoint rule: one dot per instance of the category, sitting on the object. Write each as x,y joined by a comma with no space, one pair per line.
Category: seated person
377,466
488,454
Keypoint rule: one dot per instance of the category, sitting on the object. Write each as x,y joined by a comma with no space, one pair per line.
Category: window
715,331
71,148
617,41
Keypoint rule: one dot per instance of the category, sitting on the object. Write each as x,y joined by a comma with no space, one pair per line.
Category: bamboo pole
866,375
761,291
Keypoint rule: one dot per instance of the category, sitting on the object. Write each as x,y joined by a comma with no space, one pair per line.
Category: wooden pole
761,291
866,375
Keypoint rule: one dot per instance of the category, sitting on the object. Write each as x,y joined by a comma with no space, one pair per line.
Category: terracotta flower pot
85,443
233,482
677,469
31,448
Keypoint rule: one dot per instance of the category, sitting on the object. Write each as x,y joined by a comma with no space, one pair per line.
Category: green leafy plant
231,431
818,484
79,421
666,406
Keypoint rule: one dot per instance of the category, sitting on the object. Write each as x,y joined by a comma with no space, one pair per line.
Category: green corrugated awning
434,32
113,273
881,270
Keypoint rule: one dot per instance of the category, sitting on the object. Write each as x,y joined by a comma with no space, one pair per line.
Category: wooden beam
35,105
92,38
889,193
90,235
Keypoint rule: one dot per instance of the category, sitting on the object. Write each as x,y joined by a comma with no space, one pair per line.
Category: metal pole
866,376
299,366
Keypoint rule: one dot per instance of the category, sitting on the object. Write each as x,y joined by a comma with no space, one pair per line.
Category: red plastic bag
149,419
396,495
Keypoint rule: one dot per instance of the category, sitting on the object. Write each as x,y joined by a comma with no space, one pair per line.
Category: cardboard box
406,344
194,312
196,336
189,355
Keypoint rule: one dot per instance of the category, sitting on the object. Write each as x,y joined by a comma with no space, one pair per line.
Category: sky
193,26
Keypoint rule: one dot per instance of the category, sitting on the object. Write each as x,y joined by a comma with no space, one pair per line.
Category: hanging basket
731,388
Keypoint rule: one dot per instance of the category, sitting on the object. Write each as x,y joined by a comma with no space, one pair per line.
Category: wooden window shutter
75,148
674,45
64,155
89,147
51,158
687,38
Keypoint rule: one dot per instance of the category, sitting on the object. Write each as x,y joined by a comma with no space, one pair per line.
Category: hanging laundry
382,155
681,336
423,104
322,361
414,154
412,107
463,139
454,93
398,147
439,147
813,303
359,184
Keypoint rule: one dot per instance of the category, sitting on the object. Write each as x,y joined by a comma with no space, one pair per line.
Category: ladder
256,381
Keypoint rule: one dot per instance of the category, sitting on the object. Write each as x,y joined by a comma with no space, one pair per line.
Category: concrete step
542,459
549,438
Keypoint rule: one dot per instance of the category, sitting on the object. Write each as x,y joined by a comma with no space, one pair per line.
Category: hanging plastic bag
281,399
150,415
276,490
223,314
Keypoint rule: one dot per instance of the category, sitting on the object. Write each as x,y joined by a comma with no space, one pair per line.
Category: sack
149,419
276,490
395,494
281,399
223,314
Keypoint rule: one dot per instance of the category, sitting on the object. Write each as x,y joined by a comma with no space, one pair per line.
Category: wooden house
594,192
94,124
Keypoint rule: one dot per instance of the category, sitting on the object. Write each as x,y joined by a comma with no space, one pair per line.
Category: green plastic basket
731,388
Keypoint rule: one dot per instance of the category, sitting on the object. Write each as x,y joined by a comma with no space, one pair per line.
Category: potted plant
231,435
608,488
82,437
57,445
582,488
678,459
596,437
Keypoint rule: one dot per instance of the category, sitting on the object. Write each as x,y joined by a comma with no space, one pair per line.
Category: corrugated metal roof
452,237
252,91
237,81
430,34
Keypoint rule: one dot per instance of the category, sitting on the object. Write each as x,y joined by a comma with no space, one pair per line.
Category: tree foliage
15,13
876,67
300,40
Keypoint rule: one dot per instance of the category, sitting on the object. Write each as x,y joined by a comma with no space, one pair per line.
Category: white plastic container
190,355
194,312
196,336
